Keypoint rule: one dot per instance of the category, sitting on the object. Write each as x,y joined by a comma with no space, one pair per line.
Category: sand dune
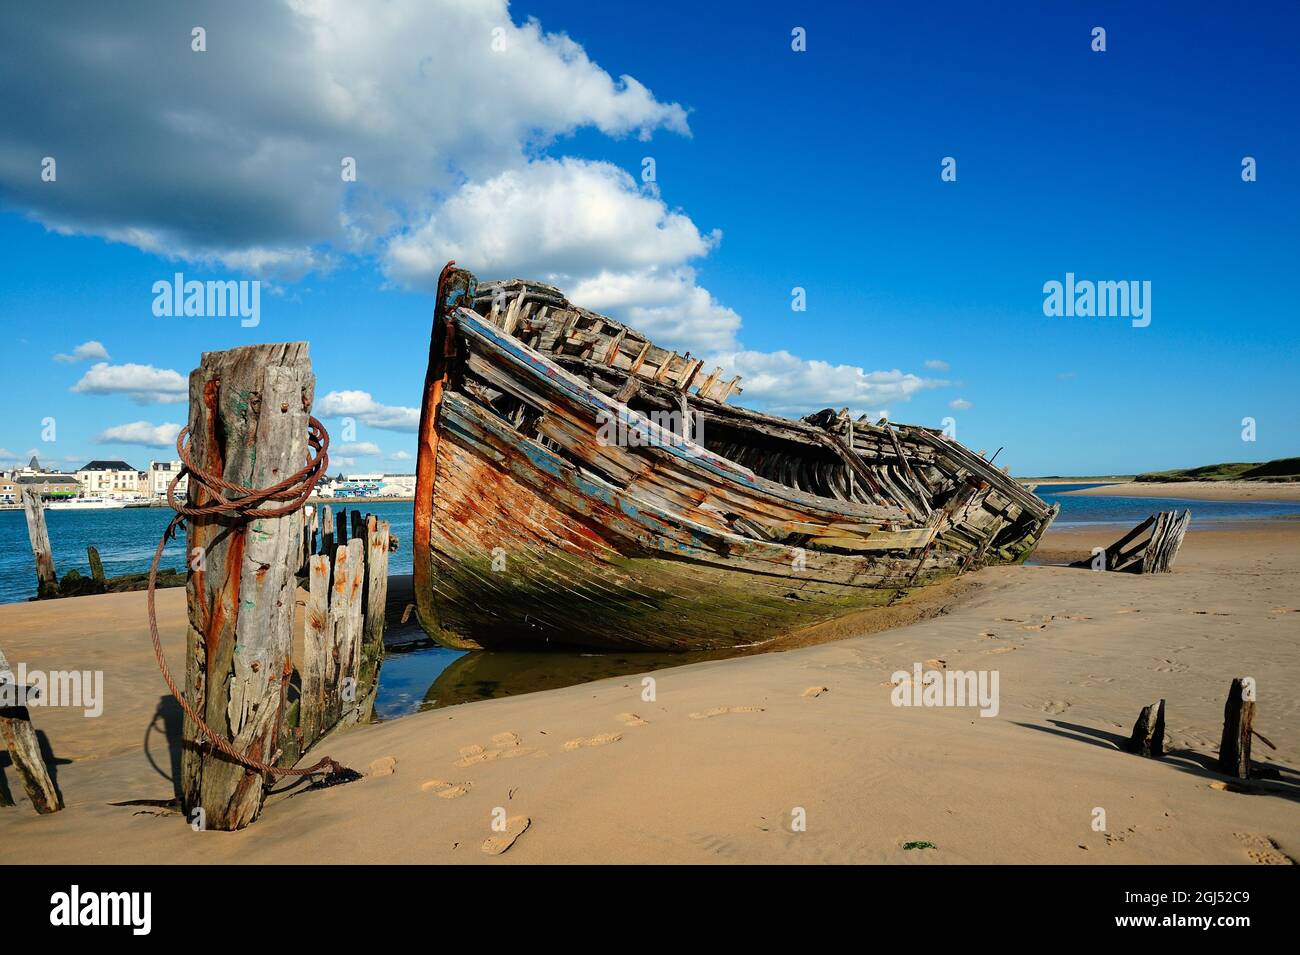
739,761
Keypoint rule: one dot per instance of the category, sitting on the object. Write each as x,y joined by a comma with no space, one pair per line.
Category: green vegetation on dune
1283,469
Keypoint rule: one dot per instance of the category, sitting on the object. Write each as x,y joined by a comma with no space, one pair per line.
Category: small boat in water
579,486
86,504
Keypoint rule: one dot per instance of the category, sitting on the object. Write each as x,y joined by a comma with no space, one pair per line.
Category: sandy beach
1200,490
728,754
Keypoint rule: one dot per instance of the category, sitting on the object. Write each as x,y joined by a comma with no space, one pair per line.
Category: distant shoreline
1198,490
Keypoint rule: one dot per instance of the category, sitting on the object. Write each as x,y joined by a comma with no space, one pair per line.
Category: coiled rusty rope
245,505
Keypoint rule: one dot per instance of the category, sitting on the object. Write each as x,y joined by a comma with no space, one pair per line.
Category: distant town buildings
367,485
48,484
112,479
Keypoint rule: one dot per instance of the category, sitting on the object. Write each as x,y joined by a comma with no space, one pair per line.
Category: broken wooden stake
1238,714
47,583
96,565
1148,737
248,421
24,745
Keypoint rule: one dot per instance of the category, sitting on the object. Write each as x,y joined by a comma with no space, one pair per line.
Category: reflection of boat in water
486,676
555,506
86,504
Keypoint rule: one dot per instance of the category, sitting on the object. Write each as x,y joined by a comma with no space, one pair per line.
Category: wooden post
341,531
326,533
24,746
47,584
358,524
320,662
1148,737
1234,746
376,601
96,565
249,410
345,625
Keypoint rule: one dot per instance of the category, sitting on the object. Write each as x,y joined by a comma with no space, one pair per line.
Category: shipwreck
579,486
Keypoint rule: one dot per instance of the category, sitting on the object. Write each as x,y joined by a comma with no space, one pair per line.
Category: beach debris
1153,554
907,846
24,746
515,827
1148,737
1238,715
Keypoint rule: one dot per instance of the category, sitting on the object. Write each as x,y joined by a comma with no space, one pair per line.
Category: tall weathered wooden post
47,584
249,414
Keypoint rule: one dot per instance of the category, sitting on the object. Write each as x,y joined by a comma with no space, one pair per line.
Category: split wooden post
1148,737
320,662
96,565
249,411
24,746
345,624
375,600
47,583
327,533
1238,717
341,531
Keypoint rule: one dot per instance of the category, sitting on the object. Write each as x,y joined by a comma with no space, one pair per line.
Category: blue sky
818,169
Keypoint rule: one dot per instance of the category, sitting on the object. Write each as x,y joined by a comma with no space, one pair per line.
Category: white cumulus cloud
142,433
84,352
360,405
142,383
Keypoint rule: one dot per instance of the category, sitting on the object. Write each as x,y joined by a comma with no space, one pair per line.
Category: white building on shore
160,475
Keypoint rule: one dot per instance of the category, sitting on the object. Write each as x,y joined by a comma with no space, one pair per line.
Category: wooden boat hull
560,540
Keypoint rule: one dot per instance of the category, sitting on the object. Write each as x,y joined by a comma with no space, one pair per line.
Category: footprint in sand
499,842
1055,706
507,746
443,789
1001,650
723,710
936,662
598,740
631,719
815,691
383,766
1285,610
1263,850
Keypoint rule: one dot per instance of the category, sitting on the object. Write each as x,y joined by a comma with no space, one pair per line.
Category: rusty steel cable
244,505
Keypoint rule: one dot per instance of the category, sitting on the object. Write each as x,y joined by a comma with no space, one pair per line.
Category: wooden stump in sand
1238,715
1148,737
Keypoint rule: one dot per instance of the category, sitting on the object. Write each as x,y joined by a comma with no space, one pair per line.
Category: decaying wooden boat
579,486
